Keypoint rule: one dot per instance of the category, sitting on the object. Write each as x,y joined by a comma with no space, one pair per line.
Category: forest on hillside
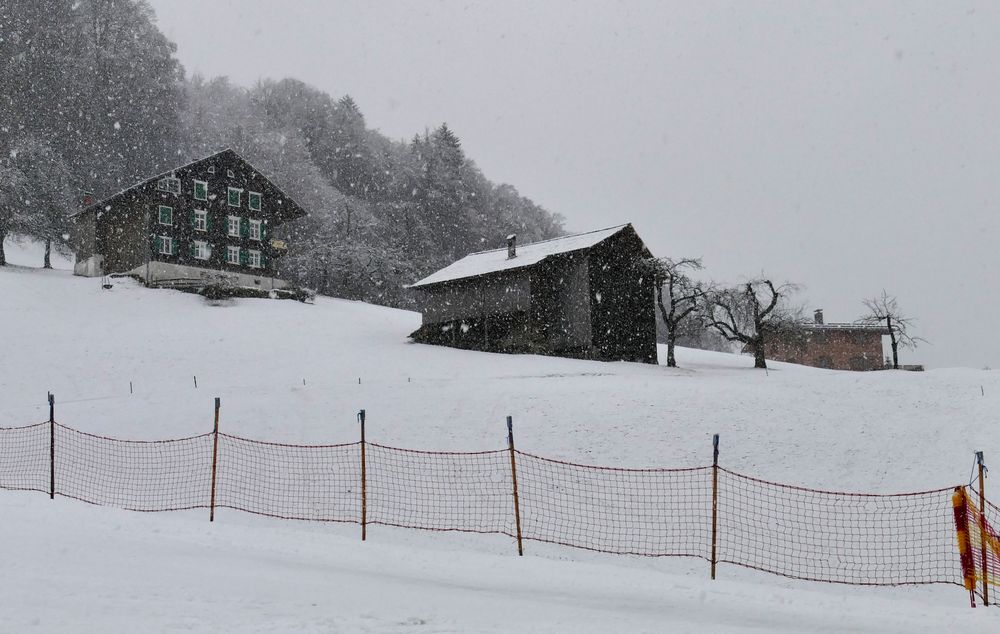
92,98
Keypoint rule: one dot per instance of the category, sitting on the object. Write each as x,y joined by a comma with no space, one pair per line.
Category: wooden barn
582,296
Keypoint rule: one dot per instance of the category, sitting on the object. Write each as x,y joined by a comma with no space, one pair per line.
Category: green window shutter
208,221
173,247
263,230
243,257
191,217
191,249
156,244
263,260
244,227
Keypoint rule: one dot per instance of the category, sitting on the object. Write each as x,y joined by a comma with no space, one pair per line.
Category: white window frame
253,259
166,242
260,200
230,251
194,192
239,197
255,228
229,226
202,250
169,184
159,215
200,220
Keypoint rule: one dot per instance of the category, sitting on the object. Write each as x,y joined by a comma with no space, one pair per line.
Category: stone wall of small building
846,349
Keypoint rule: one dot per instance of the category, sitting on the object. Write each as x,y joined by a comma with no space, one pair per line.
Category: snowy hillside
882,431
290,372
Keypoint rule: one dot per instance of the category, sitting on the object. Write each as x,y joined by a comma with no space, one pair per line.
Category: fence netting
315,482
159,475
24,457
653,512
941,536
446,491
847,538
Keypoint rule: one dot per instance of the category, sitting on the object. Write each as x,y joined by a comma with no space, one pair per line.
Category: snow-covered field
290,372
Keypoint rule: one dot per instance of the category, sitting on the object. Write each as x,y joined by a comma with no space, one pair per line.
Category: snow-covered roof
170,172
496,260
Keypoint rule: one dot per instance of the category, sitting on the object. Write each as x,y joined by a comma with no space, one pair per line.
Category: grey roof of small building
496,260
859,327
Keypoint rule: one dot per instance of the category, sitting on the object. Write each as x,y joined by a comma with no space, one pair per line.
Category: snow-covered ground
290,372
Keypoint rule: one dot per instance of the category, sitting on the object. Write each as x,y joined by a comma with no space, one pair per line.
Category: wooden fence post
52,446
715,499
364,480
215,457
982,526
513,477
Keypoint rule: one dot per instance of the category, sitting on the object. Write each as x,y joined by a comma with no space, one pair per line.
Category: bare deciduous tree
677,295
885,310
752,314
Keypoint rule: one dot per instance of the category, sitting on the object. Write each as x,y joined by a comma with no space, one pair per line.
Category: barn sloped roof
495,260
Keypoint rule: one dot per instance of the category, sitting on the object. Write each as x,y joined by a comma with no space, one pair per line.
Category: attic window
230,174
211,169
172,185
200,190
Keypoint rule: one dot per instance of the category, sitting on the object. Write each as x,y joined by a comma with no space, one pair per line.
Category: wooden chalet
582,296
210,220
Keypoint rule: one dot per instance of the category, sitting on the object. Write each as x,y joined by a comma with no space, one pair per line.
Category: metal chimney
512,246
818,315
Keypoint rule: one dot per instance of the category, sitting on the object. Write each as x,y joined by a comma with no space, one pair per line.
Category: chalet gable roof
293,211
496,260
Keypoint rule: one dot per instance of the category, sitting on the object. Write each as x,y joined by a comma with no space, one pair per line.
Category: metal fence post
982,526
364,480
715,499
215,458
513,477
52,446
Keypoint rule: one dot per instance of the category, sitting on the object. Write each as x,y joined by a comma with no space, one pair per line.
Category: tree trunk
895,344
3,257
48,254
671,363
758,357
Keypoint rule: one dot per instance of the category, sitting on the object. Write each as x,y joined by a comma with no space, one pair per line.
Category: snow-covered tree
677,295
885,310
752,314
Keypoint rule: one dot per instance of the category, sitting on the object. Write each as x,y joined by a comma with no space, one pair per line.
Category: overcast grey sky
845,146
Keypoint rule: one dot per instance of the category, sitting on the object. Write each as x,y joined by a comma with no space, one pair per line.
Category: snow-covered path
70,567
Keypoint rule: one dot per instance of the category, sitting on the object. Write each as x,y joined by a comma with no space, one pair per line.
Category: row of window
237,226
234,195
201,250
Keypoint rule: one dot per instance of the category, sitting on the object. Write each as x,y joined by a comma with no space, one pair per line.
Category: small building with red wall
843,346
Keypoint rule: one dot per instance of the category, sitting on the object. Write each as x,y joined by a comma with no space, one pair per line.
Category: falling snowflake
118,126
